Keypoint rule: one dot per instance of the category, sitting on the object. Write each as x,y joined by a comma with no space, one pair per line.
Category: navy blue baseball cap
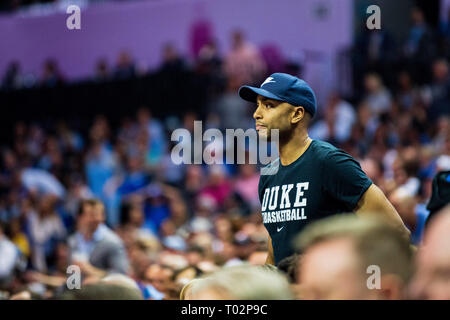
283,87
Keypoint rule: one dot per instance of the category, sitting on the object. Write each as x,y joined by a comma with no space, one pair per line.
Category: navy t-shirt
323,181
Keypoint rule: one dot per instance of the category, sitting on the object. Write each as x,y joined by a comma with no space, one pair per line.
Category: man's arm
89,270
270,257
373,201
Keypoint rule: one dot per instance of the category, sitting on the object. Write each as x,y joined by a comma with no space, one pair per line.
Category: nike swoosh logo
279,229
268,80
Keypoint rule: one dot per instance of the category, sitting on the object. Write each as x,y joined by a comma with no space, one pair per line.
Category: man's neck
88,236
291,149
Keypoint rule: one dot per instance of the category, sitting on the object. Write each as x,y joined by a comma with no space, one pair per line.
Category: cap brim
250,93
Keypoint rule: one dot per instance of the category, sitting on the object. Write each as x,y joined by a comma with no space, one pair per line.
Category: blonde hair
188,287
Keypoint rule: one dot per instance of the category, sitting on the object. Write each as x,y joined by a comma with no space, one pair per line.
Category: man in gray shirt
95,248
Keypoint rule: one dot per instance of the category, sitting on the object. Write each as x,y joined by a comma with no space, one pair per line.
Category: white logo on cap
269,79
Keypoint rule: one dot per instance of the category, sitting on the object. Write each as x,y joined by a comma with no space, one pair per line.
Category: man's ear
298,115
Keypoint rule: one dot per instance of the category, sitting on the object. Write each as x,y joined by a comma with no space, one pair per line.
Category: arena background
74,104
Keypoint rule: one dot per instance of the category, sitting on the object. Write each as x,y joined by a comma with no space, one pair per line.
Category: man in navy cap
312,179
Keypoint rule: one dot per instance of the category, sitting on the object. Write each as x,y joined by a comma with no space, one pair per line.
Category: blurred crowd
13,5
111,202
10,5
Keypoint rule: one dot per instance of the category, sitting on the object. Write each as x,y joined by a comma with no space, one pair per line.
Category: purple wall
142,27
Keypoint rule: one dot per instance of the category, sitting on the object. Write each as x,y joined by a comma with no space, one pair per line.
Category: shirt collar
98,234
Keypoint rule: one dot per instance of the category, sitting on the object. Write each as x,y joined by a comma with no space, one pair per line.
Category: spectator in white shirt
378,98
9,256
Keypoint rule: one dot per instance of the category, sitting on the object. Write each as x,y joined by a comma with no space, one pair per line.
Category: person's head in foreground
432,277
349,257
284,102
119,279
103,291
239,283
114,286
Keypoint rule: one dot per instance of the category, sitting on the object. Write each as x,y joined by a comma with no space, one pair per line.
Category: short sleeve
117,260
343,179
260,189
